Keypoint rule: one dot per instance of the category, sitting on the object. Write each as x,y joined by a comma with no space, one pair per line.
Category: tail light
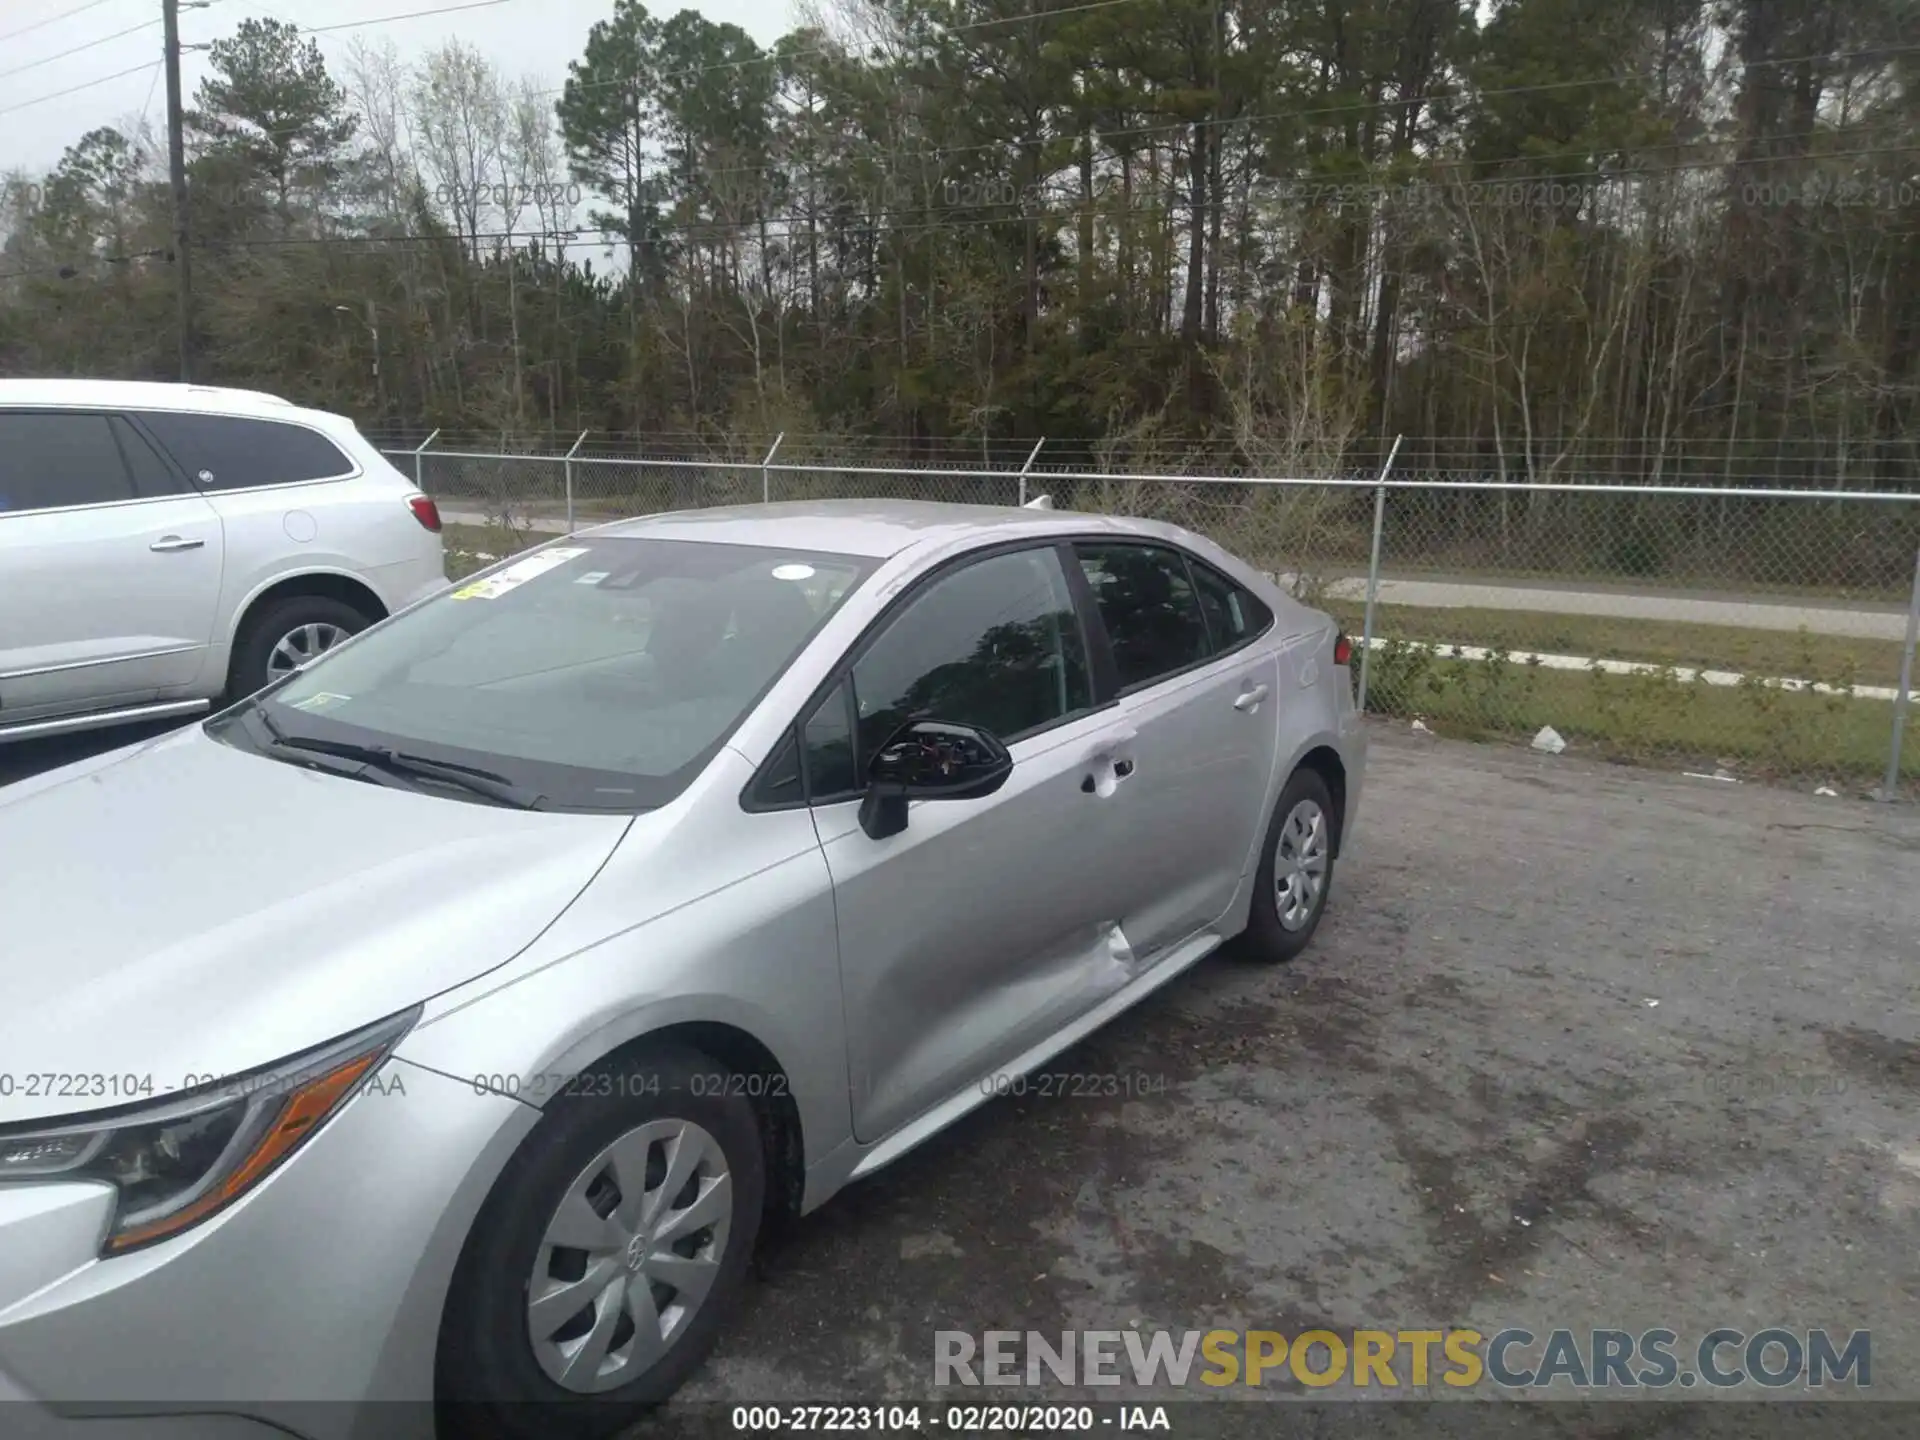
426,512
1342,649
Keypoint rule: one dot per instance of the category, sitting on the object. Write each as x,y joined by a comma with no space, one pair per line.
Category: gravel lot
1462,1108
1459,1108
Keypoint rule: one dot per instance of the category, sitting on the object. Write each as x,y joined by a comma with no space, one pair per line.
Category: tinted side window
1233,616
780,782
150,473
1149,608
48,459
832,767
238,453
995,644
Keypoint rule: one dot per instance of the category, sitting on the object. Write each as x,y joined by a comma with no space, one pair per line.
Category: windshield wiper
472,779
323,760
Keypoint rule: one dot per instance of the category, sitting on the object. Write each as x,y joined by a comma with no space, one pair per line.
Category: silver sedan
444,1023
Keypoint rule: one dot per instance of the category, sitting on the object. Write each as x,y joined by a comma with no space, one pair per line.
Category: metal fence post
419,465
1028,466
1373,573
567,465
766,481
1904,695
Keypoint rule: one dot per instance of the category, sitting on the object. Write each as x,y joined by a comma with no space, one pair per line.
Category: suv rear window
232,452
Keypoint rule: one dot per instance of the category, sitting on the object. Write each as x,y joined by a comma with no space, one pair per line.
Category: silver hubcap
1300,865
629,1255
299,646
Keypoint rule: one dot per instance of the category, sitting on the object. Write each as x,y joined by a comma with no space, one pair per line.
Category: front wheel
1295,874
606,1259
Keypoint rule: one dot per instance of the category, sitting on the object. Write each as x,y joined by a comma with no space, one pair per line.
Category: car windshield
599,673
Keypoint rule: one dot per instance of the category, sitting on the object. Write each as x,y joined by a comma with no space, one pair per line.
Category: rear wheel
607,1258
285,635
1295,874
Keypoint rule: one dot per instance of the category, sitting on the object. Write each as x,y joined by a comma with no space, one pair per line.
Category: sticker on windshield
321,700
792,572
518,573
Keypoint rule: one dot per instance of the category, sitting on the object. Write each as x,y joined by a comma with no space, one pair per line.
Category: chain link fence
1740,634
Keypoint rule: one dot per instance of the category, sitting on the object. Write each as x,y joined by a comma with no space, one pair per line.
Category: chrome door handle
1250,698
176,542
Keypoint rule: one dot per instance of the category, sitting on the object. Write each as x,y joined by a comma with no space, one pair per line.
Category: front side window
1148,605
995,644
833,771
598,674
50,459
233,452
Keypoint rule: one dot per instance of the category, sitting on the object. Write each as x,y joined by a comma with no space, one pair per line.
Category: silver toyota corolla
444,1023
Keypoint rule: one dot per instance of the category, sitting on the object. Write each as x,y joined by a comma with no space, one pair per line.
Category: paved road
1858,622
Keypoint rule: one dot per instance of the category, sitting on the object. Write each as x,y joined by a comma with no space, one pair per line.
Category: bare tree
460,112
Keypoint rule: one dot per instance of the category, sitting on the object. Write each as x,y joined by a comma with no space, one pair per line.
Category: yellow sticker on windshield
518,573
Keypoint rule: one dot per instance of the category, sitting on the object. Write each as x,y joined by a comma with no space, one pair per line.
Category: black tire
1268,938
488,1381
253,647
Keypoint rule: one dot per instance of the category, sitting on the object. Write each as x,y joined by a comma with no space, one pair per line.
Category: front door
109,577
988,924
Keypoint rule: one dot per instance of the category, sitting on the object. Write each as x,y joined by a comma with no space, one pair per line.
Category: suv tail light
1342,649
426,512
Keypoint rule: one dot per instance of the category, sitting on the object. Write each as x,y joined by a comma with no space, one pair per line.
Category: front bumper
311,1306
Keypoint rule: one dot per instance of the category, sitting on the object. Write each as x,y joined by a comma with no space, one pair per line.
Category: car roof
873,528
145,395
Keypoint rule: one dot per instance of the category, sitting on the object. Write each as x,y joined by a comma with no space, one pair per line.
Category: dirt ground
1576,1046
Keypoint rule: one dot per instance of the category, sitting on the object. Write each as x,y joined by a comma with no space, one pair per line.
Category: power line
775,56
53,19
75,89
77,49
874,222
410,15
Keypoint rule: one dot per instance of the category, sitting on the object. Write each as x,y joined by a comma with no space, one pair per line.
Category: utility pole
177,170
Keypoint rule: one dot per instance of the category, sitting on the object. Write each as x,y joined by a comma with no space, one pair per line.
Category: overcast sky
38,122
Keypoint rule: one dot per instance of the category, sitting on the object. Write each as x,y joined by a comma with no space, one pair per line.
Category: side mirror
930,760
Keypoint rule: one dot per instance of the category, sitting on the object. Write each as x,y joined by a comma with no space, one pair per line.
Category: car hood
185,909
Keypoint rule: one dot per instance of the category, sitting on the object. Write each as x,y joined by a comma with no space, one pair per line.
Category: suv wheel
286,635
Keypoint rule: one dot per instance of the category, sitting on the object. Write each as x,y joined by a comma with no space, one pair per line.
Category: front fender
759,954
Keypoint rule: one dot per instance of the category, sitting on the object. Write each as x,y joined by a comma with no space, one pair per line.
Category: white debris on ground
1420,728
1549,741
1720,775
1826,790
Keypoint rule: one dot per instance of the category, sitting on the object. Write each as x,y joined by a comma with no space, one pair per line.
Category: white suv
164,548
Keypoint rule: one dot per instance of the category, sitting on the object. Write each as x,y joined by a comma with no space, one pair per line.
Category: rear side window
1233,616
50,459
1148,605
232,452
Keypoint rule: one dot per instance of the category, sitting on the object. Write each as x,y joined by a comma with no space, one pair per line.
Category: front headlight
187,1158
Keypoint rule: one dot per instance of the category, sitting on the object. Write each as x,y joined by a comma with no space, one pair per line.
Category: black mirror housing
930,760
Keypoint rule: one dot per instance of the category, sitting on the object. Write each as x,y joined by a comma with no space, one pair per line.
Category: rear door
1198,682
988,924
109,570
